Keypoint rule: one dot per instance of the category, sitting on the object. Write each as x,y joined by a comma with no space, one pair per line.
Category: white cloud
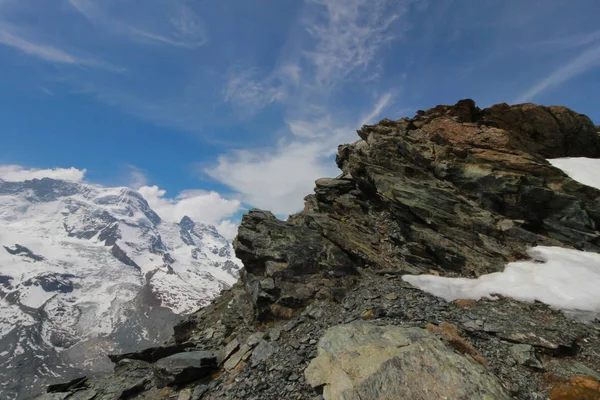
172,23
228,229
50,53
17,173
136,177
278,179
584,62
200,205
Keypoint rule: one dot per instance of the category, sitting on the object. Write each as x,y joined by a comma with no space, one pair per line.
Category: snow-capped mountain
87,270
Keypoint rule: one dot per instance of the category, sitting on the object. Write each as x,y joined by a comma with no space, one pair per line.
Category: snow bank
583,170
562,278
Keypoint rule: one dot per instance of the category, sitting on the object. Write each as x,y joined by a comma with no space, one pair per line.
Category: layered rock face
454,191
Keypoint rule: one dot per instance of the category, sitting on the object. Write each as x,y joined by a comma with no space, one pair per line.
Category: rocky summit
321,310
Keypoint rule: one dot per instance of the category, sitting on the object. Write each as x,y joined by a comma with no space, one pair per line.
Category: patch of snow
581,169
34,296
562,278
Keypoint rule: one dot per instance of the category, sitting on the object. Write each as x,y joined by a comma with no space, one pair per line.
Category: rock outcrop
364,361
454,191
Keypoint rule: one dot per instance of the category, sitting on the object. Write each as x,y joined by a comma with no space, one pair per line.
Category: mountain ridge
322,309
86,270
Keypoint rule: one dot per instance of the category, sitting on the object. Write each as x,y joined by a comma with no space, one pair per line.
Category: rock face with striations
455,191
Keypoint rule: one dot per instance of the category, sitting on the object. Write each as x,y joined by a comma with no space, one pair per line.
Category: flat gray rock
364,361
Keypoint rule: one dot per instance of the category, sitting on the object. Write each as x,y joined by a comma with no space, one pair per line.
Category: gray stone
524,354
292,324
275,333
313,311
267,284
580,369
366,361
255,338
262,352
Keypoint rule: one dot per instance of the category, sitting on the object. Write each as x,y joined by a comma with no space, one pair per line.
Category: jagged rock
242,354
289,259
365,361
182,368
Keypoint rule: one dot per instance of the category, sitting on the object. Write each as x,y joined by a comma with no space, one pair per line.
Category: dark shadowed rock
65,387
183,368
287,264
120,255
17,249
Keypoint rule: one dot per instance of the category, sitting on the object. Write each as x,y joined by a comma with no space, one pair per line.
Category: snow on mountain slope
86,270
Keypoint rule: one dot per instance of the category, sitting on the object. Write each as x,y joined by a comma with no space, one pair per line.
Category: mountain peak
187,223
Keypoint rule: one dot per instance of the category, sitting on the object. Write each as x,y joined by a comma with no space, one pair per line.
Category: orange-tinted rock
577,388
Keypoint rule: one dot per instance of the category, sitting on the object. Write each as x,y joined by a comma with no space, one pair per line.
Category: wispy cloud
381,105
243,89
571,41
583,63
339,40
177,25
339,44
50,53
348,35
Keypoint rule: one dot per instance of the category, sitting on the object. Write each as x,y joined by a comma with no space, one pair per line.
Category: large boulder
365,361
287,265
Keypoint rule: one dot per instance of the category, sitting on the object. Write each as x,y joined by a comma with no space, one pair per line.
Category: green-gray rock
365,361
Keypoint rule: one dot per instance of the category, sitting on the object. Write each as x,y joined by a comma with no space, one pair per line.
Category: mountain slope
86,270
324,308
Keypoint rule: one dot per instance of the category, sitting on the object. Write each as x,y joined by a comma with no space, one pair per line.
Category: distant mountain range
87,270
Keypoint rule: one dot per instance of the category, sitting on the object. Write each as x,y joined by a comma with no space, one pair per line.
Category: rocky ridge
454,191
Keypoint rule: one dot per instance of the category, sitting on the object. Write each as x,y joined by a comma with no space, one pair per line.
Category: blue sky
249,99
